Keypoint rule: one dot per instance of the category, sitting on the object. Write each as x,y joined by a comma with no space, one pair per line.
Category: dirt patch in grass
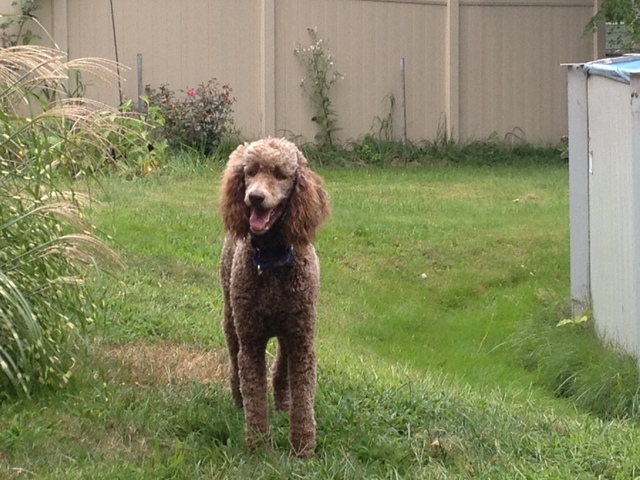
151,364
528,197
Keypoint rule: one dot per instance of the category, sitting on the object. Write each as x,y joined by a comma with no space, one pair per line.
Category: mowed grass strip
372,423
437,267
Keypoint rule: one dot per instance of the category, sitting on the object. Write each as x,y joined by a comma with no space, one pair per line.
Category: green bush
198,119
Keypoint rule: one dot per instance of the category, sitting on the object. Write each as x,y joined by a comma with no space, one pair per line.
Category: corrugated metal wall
613,232
481,66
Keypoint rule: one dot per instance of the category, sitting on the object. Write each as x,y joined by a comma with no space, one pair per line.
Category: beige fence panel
472,67
510,74
183,43
368,40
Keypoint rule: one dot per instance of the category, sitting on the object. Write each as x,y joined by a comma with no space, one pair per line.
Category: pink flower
191,92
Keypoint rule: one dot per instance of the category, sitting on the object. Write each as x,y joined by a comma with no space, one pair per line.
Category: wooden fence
472,68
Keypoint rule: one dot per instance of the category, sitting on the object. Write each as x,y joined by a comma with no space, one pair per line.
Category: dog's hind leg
280,372
234,347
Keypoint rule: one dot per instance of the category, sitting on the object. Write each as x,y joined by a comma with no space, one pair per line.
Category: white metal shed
604,195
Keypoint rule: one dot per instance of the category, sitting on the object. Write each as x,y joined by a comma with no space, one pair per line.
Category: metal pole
140,84
404,101
115,44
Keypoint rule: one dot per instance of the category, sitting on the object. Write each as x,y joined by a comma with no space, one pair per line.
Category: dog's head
268,183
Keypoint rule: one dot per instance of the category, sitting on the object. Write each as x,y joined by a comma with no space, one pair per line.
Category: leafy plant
626,15
578,321
45,131
134,139
320,75
369,151
198,119
563,148
14,29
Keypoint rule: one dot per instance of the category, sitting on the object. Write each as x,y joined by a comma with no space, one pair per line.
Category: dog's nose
256,198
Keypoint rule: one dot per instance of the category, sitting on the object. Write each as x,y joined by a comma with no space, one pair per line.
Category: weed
372,151
385,124
569,359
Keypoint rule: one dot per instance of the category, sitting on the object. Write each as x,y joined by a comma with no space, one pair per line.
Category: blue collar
265,258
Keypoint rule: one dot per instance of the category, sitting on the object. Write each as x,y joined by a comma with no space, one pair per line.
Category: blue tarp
619,68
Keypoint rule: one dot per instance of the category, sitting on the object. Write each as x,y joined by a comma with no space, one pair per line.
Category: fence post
59,28
404,99
598,43
141,104
268,69
452,73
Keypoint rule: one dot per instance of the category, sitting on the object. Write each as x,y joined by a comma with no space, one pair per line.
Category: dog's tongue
259,219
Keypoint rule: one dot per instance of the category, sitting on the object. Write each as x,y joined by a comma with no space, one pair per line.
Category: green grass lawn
426,275
492,243
482,238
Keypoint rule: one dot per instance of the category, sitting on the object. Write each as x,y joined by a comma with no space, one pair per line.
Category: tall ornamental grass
47,247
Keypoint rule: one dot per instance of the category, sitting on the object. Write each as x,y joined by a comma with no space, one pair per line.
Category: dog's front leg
302,382
253,385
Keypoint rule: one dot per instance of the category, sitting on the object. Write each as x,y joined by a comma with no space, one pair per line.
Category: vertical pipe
140,84
452,69
115,45
404,100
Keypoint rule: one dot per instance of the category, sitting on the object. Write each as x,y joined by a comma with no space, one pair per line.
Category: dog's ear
309,205
235,214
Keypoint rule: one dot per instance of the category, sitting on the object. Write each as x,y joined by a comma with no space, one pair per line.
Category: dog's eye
279,174
251,171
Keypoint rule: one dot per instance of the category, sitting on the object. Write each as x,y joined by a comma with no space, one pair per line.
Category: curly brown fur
273,202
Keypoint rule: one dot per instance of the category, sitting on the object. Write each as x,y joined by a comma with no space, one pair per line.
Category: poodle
272,204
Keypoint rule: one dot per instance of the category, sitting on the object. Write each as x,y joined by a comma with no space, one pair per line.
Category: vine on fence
320,75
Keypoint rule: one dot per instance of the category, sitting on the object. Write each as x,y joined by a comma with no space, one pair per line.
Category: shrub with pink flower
196,119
